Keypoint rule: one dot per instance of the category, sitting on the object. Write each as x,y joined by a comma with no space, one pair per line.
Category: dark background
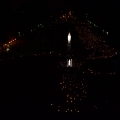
17,15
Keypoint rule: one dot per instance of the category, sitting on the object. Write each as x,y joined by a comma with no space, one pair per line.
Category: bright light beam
69,38
69,63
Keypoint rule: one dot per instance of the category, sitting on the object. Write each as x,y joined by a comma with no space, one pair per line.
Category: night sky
104,13
33,66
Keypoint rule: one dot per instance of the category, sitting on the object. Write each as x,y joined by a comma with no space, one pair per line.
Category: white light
69,38
69,63
7,49
107,33
115,52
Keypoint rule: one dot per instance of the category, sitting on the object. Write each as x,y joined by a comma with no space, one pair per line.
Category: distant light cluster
95,43
9,42
75,91
65,17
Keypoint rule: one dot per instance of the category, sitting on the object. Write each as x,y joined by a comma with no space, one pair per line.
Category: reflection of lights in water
69,83
69,63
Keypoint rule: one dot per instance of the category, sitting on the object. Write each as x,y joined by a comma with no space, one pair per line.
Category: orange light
9,42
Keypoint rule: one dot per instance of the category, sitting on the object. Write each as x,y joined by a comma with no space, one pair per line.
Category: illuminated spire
69,38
